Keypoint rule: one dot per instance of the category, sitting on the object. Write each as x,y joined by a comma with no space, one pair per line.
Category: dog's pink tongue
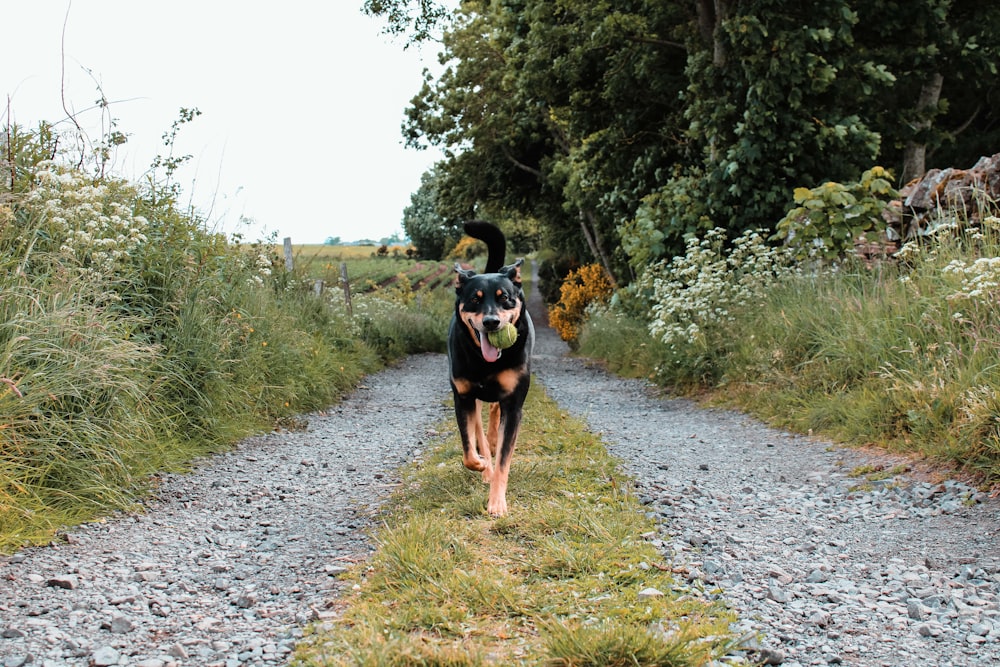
490,353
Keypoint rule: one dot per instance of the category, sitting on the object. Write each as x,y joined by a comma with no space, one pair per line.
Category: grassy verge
133,340
555,582
900,355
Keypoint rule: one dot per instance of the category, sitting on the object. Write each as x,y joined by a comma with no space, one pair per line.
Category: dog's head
488,301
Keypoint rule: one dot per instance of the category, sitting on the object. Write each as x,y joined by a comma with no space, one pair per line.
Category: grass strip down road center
555,582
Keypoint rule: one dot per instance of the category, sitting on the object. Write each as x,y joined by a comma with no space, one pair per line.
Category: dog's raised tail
496,242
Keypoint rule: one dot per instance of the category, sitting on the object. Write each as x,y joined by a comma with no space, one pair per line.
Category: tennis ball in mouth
503,337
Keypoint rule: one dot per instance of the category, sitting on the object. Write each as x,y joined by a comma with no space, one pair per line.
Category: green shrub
900,353
829,219
695,298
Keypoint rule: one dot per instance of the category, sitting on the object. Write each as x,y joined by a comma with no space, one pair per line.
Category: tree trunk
596,243
706,20
915,153
711,14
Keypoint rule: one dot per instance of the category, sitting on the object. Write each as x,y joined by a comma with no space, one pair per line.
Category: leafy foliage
625,127
779,108
401,19
829,219
957,40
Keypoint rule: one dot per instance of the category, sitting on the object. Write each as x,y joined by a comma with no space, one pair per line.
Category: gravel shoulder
228,563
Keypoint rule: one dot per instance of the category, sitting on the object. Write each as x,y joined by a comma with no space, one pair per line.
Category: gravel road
228,563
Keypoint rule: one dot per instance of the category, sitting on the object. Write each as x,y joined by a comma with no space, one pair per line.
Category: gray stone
67,581
104,656
818,577
647,593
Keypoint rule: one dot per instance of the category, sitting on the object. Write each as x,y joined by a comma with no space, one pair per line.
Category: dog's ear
462,276
513,272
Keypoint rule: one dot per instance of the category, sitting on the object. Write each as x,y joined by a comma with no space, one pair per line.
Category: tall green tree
943,106
565,111
773,103
418,20
430,232
624,126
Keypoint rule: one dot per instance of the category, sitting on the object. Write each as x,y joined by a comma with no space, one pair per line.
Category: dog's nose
491,322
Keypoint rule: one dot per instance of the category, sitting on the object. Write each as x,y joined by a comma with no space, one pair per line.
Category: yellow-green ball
503,337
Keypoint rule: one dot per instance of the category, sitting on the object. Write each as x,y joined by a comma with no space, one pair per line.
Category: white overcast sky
301,101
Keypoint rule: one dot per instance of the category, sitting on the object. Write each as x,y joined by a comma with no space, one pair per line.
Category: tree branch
520,165
657,42
964,126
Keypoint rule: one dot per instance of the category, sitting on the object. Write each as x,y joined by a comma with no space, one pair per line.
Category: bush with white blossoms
88,224
980,277
256,263
694,292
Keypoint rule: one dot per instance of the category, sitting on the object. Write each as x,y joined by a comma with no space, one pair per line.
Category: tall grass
132,340
902,353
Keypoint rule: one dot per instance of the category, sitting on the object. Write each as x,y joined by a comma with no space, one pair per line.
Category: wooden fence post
289,262
347,289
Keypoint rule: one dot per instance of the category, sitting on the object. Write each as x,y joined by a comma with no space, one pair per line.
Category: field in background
368,270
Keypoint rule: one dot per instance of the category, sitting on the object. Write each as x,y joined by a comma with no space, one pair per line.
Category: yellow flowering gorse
582,287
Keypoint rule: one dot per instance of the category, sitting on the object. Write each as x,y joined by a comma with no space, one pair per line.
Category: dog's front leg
486,446
470,427
510,414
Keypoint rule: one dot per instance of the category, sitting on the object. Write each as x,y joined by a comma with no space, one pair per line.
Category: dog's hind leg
493,434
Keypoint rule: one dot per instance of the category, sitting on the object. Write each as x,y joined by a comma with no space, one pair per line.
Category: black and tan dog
482,373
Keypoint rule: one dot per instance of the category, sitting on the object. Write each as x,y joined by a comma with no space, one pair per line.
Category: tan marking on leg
462,386
493,435
471,459
497,503
484,444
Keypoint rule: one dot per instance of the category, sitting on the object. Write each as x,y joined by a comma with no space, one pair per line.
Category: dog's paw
476,463
488,474
496,507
